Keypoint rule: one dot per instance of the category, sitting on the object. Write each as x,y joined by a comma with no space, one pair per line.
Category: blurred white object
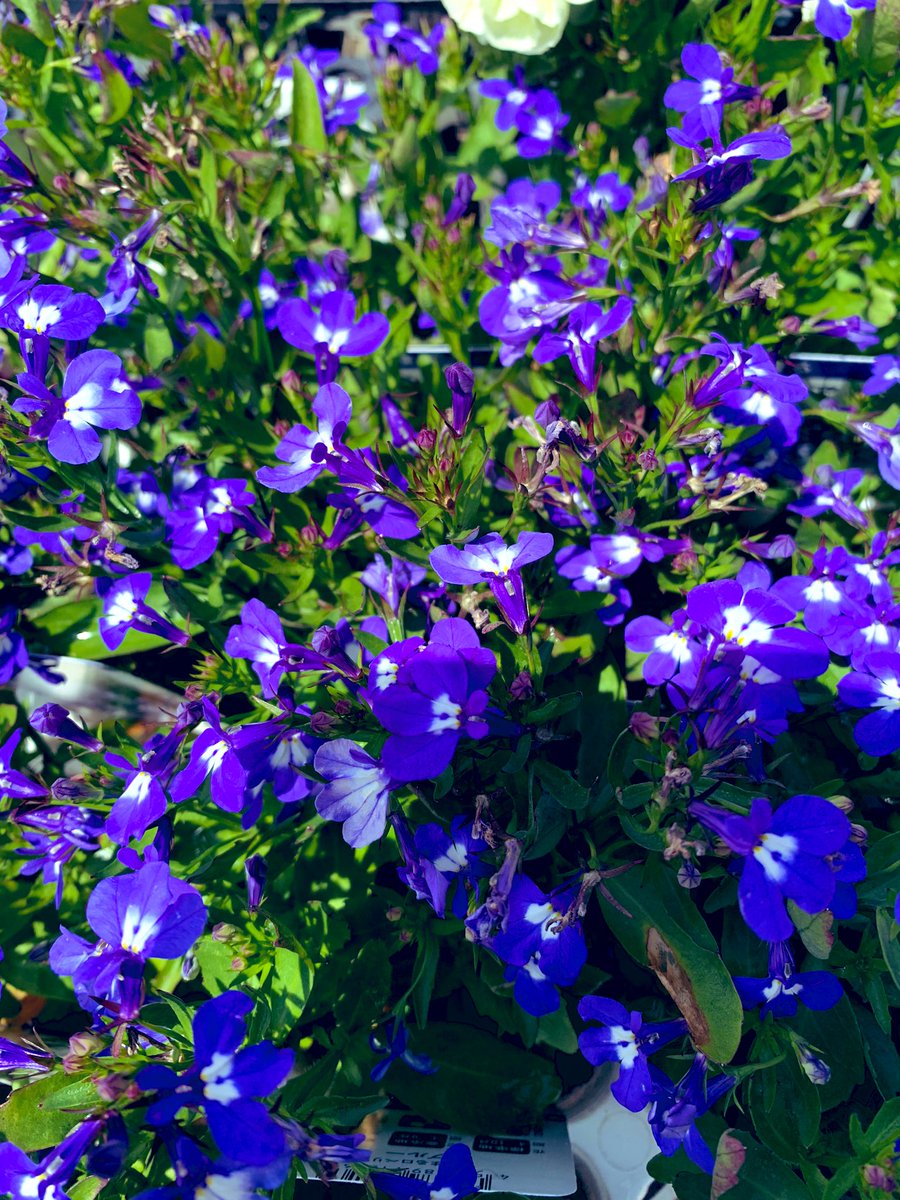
523,26
94,692
611,1145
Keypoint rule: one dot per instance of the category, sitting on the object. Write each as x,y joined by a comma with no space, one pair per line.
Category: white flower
523,26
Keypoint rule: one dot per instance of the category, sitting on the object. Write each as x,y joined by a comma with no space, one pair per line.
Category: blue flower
455,1179
625,1040
783,987
224,1081
397,1050
676,1107
784,857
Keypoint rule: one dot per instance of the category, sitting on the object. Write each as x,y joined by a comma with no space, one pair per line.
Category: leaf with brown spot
730,1155
662,959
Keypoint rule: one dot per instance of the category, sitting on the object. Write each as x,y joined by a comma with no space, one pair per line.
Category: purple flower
624,1039
784,857
783,987
256,872
200,515
877,687
515,310
386,30
463,192
461,382
142,802
94,396
763,397
125,607
392,583
703,102
55,721
588,325
519,216
224,1081
726,169
745,615
177,19
13,784
127,274
49,310
831,491
439,696
214,756
357,791
540,125
54,833
540,951
23,1179
304,451
886,443
454,1179
834,18
397,1050
513,97
13,652
885,375
490,560
260,638
276,754
860,332
333,332
598,199
676,1107
455,858
148,914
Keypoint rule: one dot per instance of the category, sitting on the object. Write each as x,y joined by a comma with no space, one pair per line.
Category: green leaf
30,1119
776,1090
763,1176
836,1034
307,127
888,930
562,786
288,988
815,931
881,1054
216,969
666,932
481,1083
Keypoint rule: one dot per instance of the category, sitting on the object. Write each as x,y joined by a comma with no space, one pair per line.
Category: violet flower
333,332
392,583
834,18
125,607
142,802
54,834
55,721
305,452
23,1179
13,784
541,954
598,199
784,857
439,698
885,375
13,651
224,1081
627,1040
94,396
148,914
490,560
779,992
455,855
49,310
201,514
703,102
357,791
726,169
260,638
540,124
877,687
397,1050
588,325
214,756
676,1108
461,382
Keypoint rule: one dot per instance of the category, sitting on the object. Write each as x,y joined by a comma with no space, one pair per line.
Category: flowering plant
450,634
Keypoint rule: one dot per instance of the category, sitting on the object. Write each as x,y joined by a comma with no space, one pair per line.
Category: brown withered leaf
670,973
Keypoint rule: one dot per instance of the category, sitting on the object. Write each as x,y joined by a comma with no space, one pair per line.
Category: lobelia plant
527,610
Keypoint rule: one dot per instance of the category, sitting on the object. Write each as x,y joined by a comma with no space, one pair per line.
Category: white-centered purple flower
885,375
332,333
626,1039
94,396
142,802
214,756
702,99
588,325
834,18
490,560
784,856
13,651
305,452
357,791
203,512
49,310
876,687
784,987
13,784
676,1107
224,1081
125,607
